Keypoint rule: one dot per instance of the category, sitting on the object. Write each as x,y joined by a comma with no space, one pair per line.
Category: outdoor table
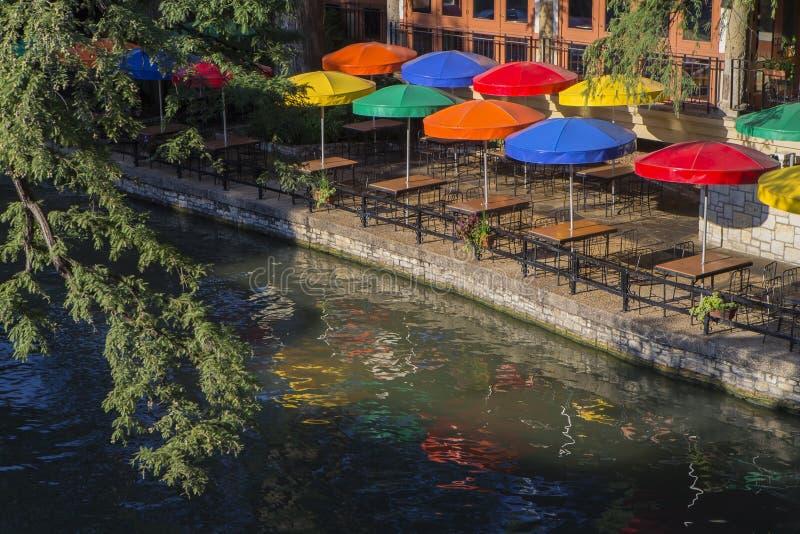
691,267
445,143
151,133
332,163
417,183
499,155
372,126
607,173
236,143
498,205
583,229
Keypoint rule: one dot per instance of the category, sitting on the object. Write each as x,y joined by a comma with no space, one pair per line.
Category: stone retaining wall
745,369
737,220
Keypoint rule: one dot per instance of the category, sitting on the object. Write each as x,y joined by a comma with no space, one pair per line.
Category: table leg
613,196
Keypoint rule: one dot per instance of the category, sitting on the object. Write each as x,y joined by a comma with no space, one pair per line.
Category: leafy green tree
638,43
181,390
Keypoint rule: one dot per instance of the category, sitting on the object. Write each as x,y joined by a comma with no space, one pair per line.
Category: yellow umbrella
330,88
611,92
781,189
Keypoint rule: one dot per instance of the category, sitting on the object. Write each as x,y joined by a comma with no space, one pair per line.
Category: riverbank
737,362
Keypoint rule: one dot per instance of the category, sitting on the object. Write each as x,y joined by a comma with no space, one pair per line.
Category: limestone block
784,233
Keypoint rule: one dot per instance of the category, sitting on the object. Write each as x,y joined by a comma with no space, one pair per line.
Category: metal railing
612,274
748,87
353,22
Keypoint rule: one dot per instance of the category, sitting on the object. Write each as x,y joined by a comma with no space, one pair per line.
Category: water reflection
387,406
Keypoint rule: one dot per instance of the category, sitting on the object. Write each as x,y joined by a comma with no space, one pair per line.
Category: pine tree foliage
181,390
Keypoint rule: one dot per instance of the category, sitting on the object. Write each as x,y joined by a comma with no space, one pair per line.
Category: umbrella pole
160,108
571,215
224,120
408,148
322,137
485,176
705,225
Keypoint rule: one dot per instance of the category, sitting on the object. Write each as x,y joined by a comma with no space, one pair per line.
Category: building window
612,13
372,24
516,49
580,14
698,69
451,8
421,6
452,40
575,59
483,9
422,41
697,26
517,10
483,44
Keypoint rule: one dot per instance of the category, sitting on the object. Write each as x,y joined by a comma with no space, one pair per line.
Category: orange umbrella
363,59
480,120
87,52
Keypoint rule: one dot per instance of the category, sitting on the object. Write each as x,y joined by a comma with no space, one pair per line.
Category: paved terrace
672,218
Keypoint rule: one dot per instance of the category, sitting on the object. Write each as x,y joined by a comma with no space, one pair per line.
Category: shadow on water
393,407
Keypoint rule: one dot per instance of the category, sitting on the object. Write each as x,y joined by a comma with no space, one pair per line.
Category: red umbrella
202,74
523,78
705,163
205,74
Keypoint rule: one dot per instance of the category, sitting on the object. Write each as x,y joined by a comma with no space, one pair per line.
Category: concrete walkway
737,361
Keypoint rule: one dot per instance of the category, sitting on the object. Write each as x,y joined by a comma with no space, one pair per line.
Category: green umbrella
781,123
19,48
403,101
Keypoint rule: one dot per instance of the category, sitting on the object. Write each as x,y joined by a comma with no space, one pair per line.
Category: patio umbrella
608,91
330,88
480,120
446,69
88,52
572,141
781,189
206,74
705,163
523,78
403,101
781,123
366,59
141,67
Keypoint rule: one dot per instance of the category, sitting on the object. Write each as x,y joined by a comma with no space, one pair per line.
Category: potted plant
322,190
481,234
715,307
476,233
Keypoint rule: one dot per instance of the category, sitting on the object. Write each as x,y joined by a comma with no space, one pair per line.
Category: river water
397,408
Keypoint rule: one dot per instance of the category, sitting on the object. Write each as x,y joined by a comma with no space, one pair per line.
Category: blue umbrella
446,69
569,142
141,67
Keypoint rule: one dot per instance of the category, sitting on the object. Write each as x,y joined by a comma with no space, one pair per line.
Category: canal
394,407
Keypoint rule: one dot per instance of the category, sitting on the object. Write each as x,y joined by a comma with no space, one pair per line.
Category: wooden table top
332,162
442,141
582,229
690,266
607,172
233,141
369,126
169,128
497,204
397,186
